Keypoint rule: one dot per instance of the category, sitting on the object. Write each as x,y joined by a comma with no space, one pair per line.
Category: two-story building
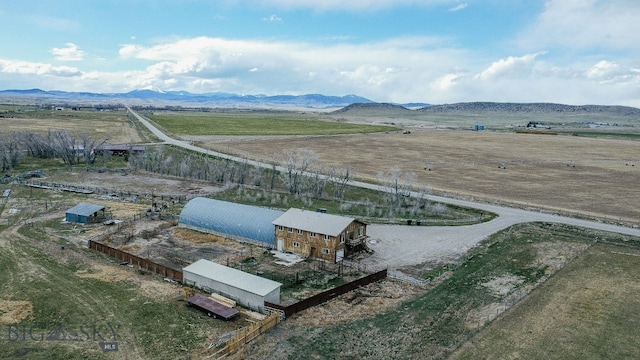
319,235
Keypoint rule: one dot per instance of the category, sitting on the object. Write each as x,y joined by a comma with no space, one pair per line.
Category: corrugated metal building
82,212
224,218
248,290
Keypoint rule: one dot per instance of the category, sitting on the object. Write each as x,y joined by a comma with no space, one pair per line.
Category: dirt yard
593,176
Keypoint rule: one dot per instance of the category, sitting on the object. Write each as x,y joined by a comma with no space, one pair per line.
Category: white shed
246,289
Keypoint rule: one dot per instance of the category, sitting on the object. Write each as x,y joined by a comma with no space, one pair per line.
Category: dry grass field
571,316
596,177
574,298
111,125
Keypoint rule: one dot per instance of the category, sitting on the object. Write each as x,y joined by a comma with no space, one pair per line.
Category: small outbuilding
248,290
85,213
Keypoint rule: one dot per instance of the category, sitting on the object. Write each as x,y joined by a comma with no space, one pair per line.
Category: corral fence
245,335
142,263
114,194
327,295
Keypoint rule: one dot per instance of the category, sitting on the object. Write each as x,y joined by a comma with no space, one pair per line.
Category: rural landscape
502,230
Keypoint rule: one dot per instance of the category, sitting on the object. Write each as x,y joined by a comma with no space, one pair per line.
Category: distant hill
363,109
485,107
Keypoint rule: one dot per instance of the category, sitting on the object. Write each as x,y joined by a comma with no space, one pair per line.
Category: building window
312,234
300,232
279,227
326,251
342,237
327,237
290,229
360,231
296,244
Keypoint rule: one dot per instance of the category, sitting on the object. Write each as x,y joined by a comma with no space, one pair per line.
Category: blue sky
434,51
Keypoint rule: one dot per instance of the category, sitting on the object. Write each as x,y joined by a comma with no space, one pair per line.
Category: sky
432,51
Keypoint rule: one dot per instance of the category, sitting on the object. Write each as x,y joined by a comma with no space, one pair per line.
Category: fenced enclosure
327,295
135,260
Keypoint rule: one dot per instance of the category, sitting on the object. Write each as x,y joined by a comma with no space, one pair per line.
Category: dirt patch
363,302
555,255
12,312
105,273
157,290
503,285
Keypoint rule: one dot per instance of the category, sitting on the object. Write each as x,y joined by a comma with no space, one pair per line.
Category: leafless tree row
72,148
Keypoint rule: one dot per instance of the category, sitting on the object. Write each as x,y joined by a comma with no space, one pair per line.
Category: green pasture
263,123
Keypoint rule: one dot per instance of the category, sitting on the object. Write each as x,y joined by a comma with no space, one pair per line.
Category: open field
113,125
594,177
574,315
258,123
61,294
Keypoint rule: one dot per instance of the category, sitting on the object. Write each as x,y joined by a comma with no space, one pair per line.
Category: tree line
301,177
71,148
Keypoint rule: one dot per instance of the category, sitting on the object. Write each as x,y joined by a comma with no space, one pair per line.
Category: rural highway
388,240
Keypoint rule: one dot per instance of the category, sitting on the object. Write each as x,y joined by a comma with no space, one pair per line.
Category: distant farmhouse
310,234
119,150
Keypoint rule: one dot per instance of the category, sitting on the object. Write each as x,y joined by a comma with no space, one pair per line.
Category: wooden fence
327,295
246,334
142,263
116,194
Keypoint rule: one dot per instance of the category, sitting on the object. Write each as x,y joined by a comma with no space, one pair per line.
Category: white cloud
585,24
33,68
402,69
603,70
69,53
273,19
512,66
459,7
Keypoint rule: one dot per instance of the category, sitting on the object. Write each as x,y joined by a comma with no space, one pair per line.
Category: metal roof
313,221
245,221
85,209
232,277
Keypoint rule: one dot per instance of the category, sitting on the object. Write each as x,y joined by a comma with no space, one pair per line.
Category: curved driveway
396,245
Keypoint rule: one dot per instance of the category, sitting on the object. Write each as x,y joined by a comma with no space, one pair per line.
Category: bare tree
39,146
318,184
10,150
297,163
339,179
399,185
89,146
66,147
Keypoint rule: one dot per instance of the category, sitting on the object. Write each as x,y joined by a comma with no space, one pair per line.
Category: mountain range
183,98
340,104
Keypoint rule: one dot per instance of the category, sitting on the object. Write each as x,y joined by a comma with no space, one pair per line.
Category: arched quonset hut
243,222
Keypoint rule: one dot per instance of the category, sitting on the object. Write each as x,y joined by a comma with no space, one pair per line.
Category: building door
280,244
314,252
339,255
